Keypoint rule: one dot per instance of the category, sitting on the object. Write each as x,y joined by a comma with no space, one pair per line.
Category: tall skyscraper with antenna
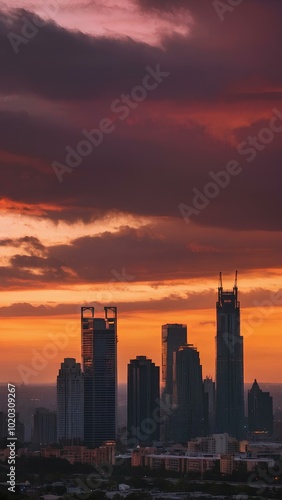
229,363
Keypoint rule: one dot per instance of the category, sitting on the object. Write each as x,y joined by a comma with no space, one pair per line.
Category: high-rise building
70,399
260,412
209,406
173,336
44,427
189,416
99,363
143,397
229,364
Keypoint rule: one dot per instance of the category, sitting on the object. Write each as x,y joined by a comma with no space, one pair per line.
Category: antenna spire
220,280
236,279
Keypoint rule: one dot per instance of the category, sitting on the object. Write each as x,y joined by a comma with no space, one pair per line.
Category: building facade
260,413
70,400
229,364
173,337
99,364
188,420
143,401
209,406
105,454
44,427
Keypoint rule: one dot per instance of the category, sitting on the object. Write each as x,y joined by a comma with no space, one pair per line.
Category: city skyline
180,406
140,155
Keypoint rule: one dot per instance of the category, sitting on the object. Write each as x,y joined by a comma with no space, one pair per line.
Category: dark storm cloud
29,243
26,309
259,299
32,268
58,64
153,165
164,251
152,161
33,136
161,251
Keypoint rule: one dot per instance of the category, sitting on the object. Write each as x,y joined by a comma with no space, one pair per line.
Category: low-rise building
183,463
216,444
84,455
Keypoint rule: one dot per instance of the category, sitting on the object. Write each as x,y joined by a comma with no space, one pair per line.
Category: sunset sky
111,231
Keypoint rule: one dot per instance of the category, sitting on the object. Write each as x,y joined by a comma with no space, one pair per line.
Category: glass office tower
229,364
99,363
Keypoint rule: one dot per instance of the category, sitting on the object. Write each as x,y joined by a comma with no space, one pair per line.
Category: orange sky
26,342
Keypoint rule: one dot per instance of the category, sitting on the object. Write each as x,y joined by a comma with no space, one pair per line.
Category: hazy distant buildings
260,412
70,402
44,427
99,363
188,421
229,364
209,406
143,395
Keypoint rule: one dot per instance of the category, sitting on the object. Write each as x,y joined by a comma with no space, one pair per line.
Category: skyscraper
70,402
173,336
99,362
189,415
44,427
229,364
143,394
260,412
209,406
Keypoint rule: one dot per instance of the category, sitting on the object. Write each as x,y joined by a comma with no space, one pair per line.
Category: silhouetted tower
189,415
173,336
99,363
209,406
260,412
229,364
70,402
143,401
44,427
